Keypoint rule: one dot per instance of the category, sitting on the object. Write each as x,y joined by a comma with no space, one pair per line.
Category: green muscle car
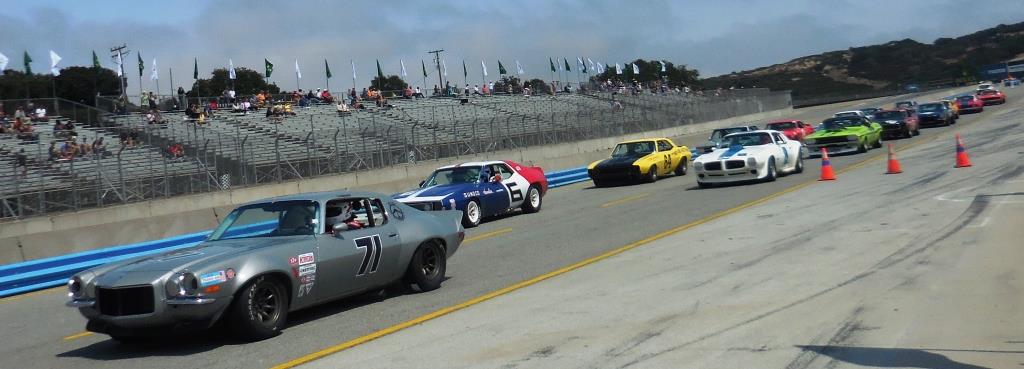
845,134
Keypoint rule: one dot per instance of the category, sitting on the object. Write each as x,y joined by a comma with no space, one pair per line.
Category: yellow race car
952,106
640,160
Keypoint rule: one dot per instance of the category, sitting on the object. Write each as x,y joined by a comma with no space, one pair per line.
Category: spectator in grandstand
437,91
154,117
152,101
342,108
466,90
192,112
326,97
68,150
211,107
417,93
359,104
448,88
260,100
407,92
40,115
84,148
99,148
296,96
52,154
352,96
21,162
24,130
489,88
476,89
175,151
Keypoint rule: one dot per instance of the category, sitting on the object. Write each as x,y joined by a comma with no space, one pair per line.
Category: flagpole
352,62
170,72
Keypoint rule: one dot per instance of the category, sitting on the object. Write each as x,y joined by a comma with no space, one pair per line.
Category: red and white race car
793,129
969,104
992,97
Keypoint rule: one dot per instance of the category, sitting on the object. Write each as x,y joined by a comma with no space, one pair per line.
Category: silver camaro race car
269,258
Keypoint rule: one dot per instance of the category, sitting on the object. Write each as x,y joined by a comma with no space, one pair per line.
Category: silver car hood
146,270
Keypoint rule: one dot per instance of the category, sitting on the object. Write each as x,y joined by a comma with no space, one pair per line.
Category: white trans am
749,156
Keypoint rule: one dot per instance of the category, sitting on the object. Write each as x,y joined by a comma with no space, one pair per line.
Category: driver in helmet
343,213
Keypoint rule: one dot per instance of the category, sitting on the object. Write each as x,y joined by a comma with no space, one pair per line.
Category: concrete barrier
67,233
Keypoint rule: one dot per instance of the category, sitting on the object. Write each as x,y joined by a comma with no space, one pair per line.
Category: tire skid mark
909,250
846,329
919,182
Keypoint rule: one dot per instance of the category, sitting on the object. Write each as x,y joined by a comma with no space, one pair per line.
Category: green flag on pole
567,68
552,62
95,60
465,72
142,66
268,68
424,64
380,73
28,62
195,68
327,69
501,68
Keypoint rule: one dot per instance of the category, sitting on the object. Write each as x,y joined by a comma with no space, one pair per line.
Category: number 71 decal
372,249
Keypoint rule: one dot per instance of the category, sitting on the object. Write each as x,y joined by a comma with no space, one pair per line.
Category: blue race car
479,190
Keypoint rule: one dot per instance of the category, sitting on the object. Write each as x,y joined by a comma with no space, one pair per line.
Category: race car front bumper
832,148
723,172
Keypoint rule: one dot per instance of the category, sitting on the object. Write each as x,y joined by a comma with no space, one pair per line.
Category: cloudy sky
713,36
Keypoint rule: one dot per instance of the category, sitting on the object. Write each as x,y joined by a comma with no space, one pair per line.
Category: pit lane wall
42,252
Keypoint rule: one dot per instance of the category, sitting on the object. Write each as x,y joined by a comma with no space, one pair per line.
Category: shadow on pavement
894,357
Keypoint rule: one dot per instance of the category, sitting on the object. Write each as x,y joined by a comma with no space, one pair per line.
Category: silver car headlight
751,162
75,287
182,284
698,166
852,138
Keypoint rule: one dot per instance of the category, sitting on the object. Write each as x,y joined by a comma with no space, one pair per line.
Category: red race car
969,104
992,97
793,129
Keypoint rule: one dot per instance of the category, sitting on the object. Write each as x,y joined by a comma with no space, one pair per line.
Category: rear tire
260,309
878,143
799,165
598,183
472,214
427,267
862,148
681,168
533,200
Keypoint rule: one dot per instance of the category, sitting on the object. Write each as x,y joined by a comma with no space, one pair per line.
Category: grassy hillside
884,67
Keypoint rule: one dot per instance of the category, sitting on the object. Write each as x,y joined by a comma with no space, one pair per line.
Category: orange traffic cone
894,165
961,154
826,167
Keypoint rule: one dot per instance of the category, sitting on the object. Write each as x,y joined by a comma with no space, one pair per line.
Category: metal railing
234,150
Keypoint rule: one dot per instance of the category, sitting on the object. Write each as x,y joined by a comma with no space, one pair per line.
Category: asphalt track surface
577,223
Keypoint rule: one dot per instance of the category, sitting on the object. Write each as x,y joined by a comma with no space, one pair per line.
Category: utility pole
437,63
117,53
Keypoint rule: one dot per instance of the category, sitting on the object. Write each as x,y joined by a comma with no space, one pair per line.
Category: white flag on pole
54,59
353,70
600,68
618,68
3,62
484,66
444,68
519,68
120,64
636,69
154,75
298,72
662,66
592,67
404,74
579,64
231,69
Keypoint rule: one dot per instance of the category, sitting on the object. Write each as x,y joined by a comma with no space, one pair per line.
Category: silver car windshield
747,139
273,219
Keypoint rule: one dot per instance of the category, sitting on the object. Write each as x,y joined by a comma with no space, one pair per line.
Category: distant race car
267,259
985,86
845,134
935,114
910,104
992,97
718,134
1011,82
793,129
757,155
851,113
480,190
969,104
951,104
870,112
898,123
641,160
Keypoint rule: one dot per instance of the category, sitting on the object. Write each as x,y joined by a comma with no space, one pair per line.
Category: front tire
799,165
652,175
472,214
863,148
681,168
772,173
533,200
878,142
427,267
260,310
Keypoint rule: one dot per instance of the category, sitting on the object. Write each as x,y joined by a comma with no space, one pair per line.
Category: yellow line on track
487,235
625,200
77,336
